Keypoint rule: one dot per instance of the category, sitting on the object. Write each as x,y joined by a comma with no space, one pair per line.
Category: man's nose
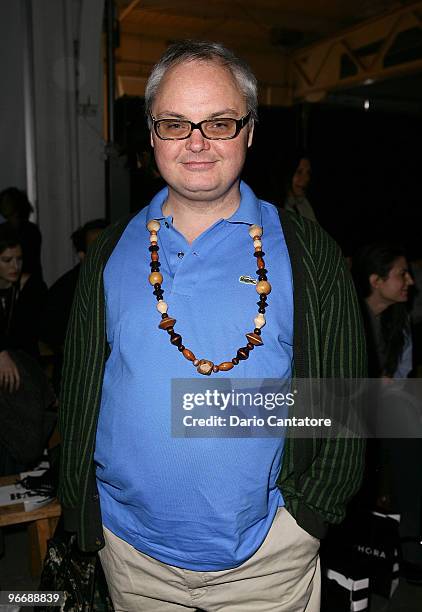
409,279
197,142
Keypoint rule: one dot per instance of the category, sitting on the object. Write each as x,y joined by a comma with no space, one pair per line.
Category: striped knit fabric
318,476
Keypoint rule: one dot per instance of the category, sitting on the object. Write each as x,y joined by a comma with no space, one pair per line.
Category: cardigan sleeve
86,351
71,401
319,476
336,472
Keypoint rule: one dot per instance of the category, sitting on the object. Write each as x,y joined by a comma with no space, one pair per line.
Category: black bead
263,298
257,331
261,310
155,264
164,315
157,286
243,353
235,360
159,297
250,346
261,272
153,247
176,339
181,347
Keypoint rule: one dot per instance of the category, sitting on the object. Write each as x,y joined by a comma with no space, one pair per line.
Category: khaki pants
282,576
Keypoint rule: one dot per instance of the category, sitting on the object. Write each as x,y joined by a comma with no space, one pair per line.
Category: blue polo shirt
198,503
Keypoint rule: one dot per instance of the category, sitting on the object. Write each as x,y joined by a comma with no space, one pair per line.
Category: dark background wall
366,170
367,175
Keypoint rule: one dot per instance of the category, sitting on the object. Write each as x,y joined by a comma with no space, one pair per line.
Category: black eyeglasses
222,128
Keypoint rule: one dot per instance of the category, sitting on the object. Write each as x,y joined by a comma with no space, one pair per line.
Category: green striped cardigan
318,476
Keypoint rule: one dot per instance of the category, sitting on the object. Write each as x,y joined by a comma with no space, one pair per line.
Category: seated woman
21,300
383,280
16,209
22,297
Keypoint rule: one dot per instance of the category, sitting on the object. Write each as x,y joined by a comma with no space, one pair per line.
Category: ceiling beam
131,7
319,68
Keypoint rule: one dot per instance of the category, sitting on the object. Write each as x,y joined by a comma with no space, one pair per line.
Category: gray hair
191,50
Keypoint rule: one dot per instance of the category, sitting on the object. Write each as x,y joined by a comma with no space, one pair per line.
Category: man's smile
198,165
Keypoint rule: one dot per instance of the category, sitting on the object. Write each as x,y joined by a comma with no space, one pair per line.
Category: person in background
224,523
416,312
16,209
21,301
55,316
22,297
296,183
383,281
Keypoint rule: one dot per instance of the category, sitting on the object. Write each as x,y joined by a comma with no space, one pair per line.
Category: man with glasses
207,280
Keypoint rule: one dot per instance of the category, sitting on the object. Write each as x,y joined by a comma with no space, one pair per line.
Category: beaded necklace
263,287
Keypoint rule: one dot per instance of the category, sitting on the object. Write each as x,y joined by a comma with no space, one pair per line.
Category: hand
9,374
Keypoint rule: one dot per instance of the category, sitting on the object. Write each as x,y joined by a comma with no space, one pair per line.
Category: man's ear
151,139
375,280
250,134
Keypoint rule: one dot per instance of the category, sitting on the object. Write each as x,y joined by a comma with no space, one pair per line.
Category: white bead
257,243
153,238
162,306
259,320
255,230
153,225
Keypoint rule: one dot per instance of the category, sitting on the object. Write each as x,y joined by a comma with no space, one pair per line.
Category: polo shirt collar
249,210
155,208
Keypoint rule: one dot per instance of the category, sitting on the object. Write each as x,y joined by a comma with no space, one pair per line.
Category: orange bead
261,263
167,323
263,287
226,365
155,277
188,354
254,339
154,256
